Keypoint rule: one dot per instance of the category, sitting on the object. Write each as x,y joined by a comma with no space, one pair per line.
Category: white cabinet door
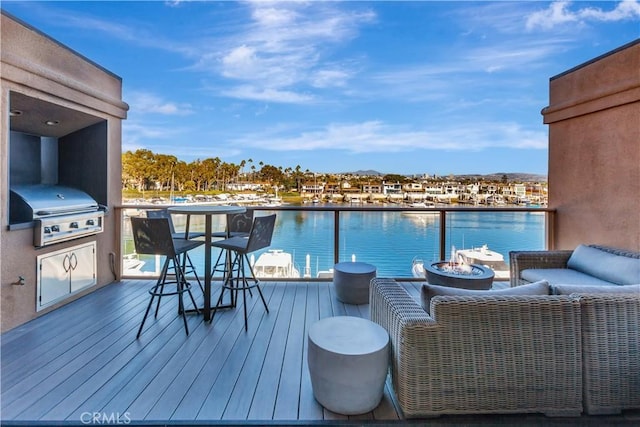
83,271
61,273
53,283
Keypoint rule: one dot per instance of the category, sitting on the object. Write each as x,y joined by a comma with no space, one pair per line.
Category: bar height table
208,211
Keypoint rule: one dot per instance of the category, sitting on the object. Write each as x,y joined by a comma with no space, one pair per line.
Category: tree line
144,170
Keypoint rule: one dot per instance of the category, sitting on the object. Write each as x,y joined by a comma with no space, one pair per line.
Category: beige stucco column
594,151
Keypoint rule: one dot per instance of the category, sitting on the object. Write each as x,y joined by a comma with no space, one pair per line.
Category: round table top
348,335
206,209
354,267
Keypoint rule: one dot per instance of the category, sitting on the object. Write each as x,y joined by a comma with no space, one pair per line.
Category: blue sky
436,87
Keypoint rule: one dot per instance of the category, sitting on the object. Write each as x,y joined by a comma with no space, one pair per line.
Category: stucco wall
594,151
39,67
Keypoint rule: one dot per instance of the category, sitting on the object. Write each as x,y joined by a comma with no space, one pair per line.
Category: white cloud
267,94
145,103
376,136
282,49
329,78
559,13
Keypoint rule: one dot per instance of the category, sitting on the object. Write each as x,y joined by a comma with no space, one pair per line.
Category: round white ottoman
348,361
351,281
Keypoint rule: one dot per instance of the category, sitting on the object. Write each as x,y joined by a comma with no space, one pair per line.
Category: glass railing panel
301,247
390,240
307,237
487,237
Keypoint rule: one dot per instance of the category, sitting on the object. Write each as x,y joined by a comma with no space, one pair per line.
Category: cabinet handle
73,261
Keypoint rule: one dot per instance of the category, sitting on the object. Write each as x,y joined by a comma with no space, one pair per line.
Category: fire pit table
459,275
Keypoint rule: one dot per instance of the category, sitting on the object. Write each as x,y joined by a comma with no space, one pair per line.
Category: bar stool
239,248
187,264
238,225
152,236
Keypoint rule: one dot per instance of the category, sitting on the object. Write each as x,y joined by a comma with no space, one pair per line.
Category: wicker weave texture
523,260
611,352
506,354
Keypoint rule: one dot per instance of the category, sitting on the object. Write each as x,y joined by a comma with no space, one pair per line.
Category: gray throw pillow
429,291
613,268
595,289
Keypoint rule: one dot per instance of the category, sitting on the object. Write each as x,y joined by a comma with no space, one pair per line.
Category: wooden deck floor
83,361
84,358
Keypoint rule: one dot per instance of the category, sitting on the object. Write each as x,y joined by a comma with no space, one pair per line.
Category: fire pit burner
459,275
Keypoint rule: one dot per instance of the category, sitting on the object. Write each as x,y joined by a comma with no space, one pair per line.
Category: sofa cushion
594,289
561,275
613,268
429,291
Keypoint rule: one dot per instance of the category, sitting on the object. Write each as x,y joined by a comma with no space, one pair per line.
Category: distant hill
365,173
497,176
511,176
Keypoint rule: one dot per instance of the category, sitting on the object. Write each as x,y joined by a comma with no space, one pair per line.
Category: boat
485,256
132,265
417,268
422,213
275,263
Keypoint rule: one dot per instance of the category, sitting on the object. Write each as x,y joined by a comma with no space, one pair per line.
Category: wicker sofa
610,352
558,355
584,265
489,354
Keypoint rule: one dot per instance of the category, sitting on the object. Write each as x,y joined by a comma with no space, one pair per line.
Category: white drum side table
348,361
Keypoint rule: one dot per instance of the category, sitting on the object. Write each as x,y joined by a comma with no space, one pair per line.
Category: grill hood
31,202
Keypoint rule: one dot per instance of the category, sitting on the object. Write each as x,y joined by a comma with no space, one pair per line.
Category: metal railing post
336,236
443,234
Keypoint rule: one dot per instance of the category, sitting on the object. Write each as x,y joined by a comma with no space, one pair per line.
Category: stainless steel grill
60,213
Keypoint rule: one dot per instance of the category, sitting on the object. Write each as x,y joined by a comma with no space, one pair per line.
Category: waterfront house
76,360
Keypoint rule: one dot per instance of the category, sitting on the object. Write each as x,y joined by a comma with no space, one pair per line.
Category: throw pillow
429,291
618,269
593,289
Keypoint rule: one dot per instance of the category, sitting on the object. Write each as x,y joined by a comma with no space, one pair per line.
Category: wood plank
244,389
286,407
310,409
222,388
264,401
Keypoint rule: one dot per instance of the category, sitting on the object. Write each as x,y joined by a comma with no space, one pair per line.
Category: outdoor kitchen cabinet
65,272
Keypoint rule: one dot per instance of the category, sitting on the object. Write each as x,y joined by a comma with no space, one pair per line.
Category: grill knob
47,230
73,225
55,228
91,222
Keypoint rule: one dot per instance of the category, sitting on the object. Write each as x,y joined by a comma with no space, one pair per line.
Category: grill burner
60,213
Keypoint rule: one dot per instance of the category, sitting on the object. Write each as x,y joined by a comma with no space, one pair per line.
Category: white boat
484,256
273,264
132,265
417,268
325,274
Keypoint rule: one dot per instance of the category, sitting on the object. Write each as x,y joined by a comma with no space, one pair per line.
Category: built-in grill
60,213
